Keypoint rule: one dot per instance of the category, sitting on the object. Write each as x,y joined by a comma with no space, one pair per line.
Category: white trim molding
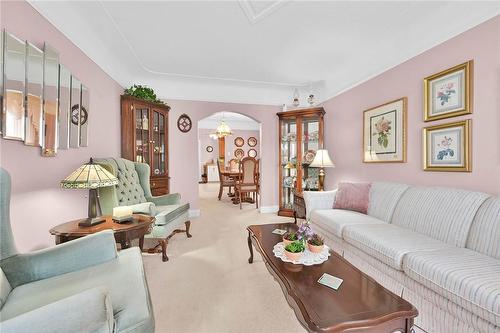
269,209
193,213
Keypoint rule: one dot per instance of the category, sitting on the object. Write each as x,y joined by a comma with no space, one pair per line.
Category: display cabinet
300,136
145,138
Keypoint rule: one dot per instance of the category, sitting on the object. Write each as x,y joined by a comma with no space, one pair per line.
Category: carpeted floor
208,284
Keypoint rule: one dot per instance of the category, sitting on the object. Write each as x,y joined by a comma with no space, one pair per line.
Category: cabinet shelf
300,132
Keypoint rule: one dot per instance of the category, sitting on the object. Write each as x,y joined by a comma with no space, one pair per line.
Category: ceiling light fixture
222,130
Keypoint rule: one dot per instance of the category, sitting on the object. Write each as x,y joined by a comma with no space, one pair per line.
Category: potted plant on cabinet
315,244
294,250
290,237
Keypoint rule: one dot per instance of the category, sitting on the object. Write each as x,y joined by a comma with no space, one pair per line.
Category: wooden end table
359,305
124,232
299,206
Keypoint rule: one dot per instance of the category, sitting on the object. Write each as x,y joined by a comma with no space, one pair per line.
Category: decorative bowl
293,256
315,248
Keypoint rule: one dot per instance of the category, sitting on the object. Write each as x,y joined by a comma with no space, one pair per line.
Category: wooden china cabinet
145,138
300,136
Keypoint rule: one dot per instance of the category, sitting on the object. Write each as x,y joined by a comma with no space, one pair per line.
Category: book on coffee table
330,281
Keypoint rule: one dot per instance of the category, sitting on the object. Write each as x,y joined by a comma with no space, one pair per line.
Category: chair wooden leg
220,191
141,243
240,199
256,201
164,244
188,225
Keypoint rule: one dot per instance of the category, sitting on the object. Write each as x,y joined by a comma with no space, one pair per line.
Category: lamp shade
322,160
89,176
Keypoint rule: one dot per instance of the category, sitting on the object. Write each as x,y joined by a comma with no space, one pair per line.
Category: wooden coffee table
124,232
359,305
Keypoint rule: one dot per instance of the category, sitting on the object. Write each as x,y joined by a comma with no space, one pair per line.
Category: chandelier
222,130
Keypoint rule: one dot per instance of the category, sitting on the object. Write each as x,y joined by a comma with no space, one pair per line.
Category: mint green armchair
79,286
133,190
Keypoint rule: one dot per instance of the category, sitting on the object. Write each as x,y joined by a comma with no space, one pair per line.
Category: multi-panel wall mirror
42,104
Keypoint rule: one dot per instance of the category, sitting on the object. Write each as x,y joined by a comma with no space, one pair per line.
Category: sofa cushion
389,243
5,288
468,278
441,213
353,196
484,235
383,199
123,278
335,220
165,214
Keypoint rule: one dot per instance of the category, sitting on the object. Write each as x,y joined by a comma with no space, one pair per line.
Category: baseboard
194,213
269,209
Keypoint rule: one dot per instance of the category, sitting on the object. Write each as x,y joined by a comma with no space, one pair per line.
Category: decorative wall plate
210,149
309,156
239,141
239,153
184,123
252,142
252,153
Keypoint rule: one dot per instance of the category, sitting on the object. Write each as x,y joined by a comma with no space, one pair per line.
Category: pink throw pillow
353,196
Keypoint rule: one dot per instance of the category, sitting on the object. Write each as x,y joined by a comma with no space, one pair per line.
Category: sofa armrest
71,256
147,208
318,200
88,311
165,200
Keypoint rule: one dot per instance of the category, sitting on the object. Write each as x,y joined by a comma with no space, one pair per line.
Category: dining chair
223,180
248,182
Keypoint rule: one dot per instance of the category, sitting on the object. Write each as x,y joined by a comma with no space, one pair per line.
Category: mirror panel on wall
74,126
84,117
64,106
34,95
50,104
1,79
14,81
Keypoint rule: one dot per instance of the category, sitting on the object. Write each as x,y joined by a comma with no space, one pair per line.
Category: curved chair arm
165,200
318,200
64,258
88,311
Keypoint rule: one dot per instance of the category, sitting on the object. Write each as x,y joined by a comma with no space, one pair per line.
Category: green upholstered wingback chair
133,190
80,286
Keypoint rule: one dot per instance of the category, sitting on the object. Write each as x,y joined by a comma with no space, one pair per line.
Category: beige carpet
208,284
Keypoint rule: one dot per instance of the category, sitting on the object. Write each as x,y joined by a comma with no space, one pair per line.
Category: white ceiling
234,120
257,51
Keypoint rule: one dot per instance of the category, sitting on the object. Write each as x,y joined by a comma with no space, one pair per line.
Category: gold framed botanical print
447,147
448,93
384,132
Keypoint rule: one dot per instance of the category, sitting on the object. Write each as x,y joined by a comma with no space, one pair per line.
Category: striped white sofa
437,247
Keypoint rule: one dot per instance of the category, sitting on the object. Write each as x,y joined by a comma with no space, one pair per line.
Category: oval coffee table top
73,229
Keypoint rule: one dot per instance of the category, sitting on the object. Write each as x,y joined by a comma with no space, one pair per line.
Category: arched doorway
244,141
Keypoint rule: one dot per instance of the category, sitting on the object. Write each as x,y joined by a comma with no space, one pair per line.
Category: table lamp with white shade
322,160
90,176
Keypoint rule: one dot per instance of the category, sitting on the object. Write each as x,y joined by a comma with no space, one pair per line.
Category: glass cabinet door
310,144
158,156
142,124
288,161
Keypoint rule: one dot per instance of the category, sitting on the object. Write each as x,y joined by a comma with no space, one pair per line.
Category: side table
124,232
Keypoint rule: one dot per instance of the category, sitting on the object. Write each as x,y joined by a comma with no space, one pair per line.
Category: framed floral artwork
384,132
448,93
447,147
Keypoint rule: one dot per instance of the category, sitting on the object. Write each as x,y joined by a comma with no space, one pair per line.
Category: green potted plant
315,244
143,92
290,237
294,250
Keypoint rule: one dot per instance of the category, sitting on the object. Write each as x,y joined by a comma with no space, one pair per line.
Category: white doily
308,258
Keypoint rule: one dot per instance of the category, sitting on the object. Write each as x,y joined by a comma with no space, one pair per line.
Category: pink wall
245,134
204,141
37,202
344,115
184,155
